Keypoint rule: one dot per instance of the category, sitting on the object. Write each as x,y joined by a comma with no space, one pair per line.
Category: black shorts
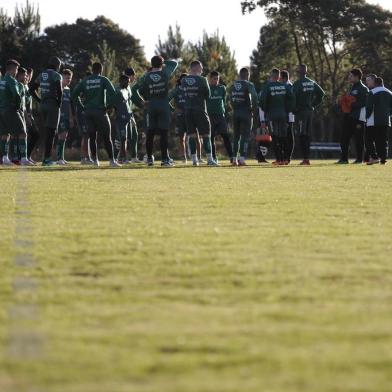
12,122
97,121
50,112
218,124
180,125
197,121
82,124
242,122
158,116
303,123
278,127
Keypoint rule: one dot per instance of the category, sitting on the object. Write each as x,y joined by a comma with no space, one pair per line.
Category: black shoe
342,162
150,162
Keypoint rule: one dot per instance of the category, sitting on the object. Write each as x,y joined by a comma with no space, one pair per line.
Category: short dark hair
54,62
379,81
97,68
285,74
214,74
196,63
129,71
67,71
244,72
157,61
11,64
275,72
372,76
182,76
22,70
357,72
124,77
303,68
30,70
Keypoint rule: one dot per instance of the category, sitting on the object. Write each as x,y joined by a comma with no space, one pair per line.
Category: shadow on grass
226,166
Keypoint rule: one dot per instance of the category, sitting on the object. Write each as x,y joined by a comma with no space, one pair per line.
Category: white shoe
202,160
213,163
184,162
195,163
136,160
61,162
96,163
26,162
7,161
114,163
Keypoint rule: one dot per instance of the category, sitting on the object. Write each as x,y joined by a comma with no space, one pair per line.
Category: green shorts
50,114
158,115
97,121
303,123
218,124
12,122
242,122
197,121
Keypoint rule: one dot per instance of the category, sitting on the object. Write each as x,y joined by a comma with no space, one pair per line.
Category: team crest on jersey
155,77
45,76
190,81
237,86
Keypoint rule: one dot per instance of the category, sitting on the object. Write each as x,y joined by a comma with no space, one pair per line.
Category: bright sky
149,19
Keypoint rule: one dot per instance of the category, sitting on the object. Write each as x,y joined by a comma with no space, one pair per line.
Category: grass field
196,280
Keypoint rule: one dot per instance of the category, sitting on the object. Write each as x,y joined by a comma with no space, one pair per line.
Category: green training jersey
97,92
66,104
217,100
197,92
243,96
48,81
277,101
358,109
28,100
308,95
154,85
178,94
11,93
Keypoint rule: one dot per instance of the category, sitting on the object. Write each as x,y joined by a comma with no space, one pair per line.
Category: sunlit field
196,279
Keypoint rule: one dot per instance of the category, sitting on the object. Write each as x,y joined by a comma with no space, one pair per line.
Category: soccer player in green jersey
12,124
308,96
378,114
289,145
197,93
243,99
66,117
122,105
277,101
152,91
178,95
216,108
98,96
133,134
49,82
31,125
355,120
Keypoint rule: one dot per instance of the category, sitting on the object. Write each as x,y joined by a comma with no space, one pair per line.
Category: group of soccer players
282,112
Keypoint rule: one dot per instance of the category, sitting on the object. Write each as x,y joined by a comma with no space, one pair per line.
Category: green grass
202,280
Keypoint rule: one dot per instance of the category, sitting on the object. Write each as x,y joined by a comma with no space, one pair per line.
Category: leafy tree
174,45
78,42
